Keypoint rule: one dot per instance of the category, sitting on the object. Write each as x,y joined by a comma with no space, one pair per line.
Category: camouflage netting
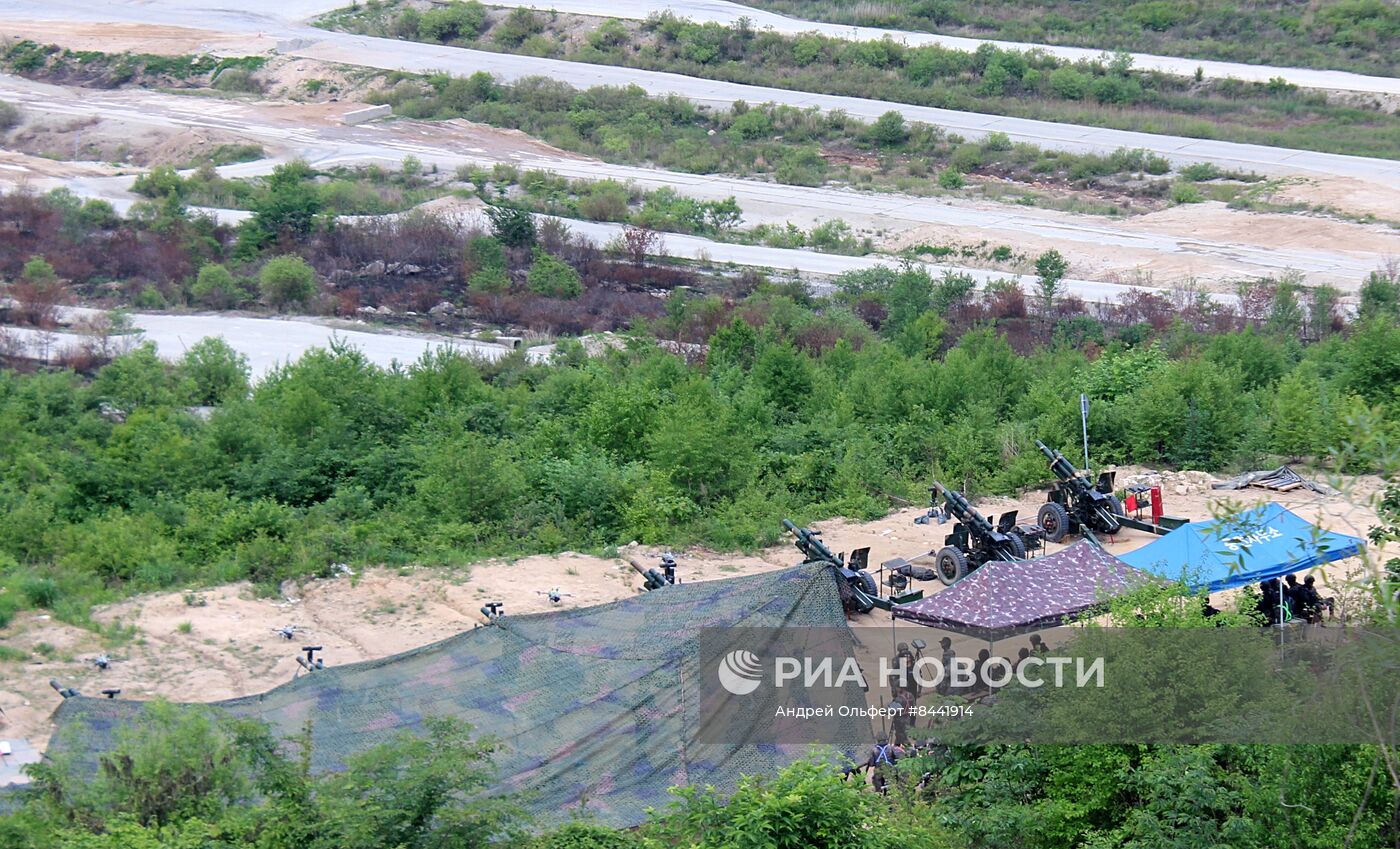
597,705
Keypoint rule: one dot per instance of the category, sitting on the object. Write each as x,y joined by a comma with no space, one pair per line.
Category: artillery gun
975,541
863,594
1074,505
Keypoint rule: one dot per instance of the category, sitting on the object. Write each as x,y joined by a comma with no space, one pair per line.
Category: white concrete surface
270,342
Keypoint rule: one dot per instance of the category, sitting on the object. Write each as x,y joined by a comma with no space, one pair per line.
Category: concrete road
270,342
763,203
723,12
298,39
810,263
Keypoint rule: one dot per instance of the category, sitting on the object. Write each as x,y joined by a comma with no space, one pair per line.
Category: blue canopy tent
1252,546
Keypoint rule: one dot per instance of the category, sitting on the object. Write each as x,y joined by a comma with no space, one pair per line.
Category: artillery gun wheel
951,564
1054,519
866,583
1018,546
1115,506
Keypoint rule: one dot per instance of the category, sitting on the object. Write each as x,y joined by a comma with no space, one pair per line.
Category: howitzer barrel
1063,469
809,544
963,510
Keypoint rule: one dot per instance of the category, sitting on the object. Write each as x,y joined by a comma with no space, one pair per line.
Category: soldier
1291,591
899,719
883,757
978,684
946,660
1269,600
903,659
1311,603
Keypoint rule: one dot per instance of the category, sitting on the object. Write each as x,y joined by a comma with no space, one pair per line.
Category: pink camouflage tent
1003,599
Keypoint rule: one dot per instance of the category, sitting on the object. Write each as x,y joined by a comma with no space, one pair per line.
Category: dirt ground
1345,194
203,644
114,37
1210,222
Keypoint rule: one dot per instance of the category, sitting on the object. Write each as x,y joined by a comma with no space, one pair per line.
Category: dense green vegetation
801,409
1349,35
1102,93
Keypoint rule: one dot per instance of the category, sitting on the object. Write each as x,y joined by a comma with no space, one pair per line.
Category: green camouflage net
596,708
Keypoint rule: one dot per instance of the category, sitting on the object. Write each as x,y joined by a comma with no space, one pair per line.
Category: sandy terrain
1357,197
117,37
1200,233
206,644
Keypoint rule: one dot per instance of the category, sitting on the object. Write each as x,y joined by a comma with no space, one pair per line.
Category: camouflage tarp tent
1002,599
598,704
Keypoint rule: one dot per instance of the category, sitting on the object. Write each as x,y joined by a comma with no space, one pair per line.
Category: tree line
793,407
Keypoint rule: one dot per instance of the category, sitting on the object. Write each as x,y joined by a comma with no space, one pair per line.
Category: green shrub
1200,171
1070,84
512,227
552,277
609,34
951,178
753,124
9,116
39,592
455,21
217,373
889,129
585,835
287,281
406,24
216,287
997,142
161,181
1186,193
484,252
519,25
489,281
605,200
238,81
966,157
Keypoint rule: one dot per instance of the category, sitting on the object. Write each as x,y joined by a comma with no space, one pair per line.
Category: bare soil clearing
231,648
117,37
1214,223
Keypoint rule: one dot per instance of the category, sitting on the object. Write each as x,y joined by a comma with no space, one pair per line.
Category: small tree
483,253
489,281
1050,268
217,372
889,129
641,242
39,292
1296,427
215,287
513,227
552,277
1380,294
287,280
